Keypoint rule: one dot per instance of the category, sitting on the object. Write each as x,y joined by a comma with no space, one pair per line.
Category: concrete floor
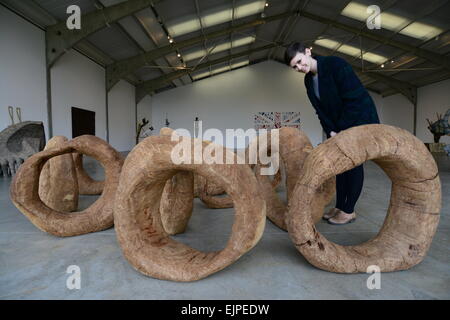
33,264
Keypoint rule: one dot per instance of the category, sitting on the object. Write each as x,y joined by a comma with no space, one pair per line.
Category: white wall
22,69
230,100
431,99
77,82
144,110
122,114
395,110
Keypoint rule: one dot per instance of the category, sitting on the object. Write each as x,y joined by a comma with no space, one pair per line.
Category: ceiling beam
431,56
60,39
151,85
121,68
405,88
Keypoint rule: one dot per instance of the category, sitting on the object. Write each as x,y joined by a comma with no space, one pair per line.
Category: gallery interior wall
230,100
122,115
22,69
75,81
432,99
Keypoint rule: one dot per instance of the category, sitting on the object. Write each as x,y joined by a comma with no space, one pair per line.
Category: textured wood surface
58,185
414,208
99,216
140,232
293,149
87,185
177,200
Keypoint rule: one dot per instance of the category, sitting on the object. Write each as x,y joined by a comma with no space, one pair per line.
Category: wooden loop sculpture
58,185
293,148
414,207
201,185
99,216
177,200
215,202
140,233
87,185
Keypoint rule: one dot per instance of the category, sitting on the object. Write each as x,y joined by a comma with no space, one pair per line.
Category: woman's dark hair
292,50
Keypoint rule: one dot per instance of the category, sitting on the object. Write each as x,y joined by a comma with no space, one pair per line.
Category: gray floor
33,264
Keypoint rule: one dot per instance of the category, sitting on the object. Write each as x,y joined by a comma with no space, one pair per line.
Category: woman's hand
332,133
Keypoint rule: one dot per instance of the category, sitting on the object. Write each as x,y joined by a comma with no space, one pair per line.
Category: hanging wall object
276,120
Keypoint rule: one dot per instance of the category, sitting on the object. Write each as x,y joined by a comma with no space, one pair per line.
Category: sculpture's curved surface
141,234
86,185
17,143
58,185
99,216
213,201
208,187
177,200
413,213
293,149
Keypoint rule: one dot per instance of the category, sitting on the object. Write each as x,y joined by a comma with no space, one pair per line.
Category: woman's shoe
342,218
330,214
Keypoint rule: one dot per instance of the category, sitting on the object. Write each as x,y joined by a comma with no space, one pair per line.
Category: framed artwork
276,120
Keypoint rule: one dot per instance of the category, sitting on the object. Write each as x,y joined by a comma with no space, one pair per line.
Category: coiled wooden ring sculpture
86,185
58,183
137,218
293,148
99,216
414,208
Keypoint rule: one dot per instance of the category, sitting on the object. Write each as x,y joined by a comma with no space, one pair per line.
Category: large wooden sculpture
87,185
177,198
58,184
413,213
99,216
141,235
293,149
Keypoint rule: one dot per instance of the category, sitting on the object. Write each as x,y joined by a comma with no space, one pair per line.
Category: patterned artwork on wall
275,120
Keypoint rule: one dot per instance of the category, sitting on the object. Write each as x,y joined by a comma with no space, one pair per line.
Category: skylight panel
193,55
221,69
239,64
249,9
214,17
327,43
393,22
200,75
217,17
350,50
243,41
187,26
421,31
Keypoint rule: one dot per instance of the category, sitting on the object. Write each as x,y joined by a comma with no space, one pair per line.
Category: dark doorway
83,122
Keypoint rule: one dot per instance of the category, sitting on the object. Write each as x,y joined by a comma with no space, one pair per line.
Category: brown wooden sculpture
139,229
177,200
211,188
293,149
58,185
414,208
87,185
99,216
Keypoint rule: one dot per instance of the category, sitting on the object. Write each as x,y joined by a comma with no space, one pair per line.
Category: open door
83,122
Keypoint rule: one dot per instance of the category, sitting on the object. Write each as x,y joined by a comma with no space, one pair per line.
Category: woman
341,102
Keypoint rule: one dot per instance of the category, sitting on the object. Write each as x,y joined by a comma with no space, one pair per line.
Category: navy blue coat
344,102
